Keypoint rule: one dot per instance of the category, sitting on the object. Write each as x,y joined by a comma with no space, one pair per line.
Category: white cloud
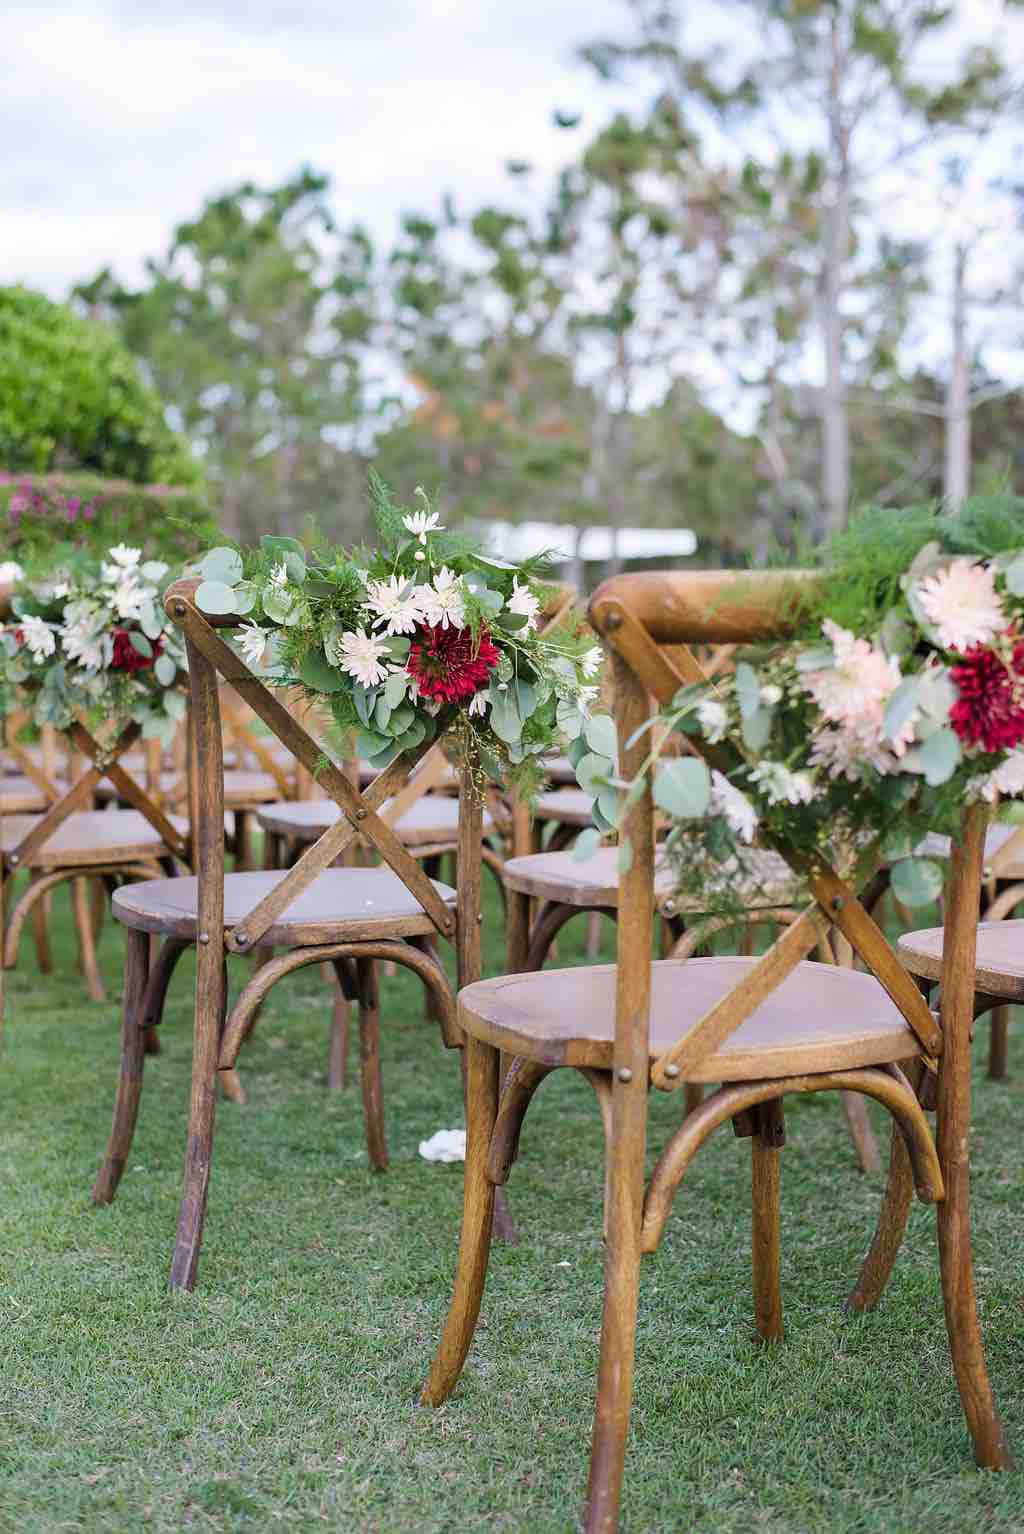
119,118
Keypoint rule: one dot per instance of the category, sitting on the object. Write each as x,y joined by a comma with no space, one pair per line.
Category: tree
72,397
844,78
256,324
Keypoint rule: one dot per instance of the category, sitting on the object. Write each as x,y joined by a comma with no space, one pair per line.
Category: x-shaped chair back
41,770
212,659
644,619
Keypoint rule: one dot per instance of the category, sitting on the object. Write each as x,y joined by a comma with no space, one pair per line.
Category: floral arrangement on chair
92,638
424,633
900,696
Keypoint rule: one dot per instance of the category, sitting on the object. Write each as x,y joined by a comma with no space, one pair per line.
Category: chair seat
340,905
594,881
20,796
999,965
821,1018
569,806
431,820
89,837
996,837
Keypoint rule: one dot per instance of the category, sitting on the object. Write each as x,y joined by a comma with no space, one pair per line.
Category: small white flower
740,815
585,698
60,590
122,555
364,575
38,636
363,656
443,604
394,604
771,693
713,718
781,785
81,635
252,641
128,597
10,572
419,554
523,602
279,575
962,604
420,523
591,661
478,702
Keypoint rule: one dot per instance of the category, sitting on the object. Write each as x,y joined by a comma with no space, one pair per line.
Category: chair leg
337,1060
369,1063
892,1222
991,1450
210,1009
998,1041
618,1351
86,939
517,932
477,1218
766,1168
133,1054
861,1133
41,934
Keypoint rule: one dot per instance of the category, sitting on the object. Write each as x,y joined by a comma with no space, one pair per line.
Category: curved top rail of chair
704,606
182,594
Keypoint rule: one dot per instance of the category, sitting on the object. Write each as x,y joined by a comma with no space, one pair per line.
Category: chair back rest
643,620
211,662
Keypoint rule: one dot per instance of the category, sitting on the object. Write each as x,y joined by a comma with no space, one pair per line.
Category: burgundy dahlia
448,665
127,658
989,711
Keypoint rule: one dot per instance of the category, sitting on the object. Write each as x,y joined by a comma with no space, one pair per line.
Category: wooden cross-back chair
70,840
351,917
764,1027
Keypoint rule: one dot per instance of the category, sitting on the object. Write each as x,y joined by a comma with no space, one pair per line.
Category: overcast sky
118,117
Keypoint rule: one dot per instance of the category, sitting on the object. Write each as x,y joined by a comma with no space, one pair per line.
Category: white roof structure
520,540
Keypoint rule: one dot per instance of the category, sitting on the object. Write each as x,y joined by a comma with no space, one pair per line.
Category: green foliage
40,512
71,397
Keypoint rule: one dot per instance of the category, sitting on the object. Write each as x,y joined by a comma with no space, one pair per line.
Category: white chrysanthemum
443,604
420,523
122,555
523,602
363,656
591,661
713,718
252,641
856,688
781,785
128,597
771,694
395,603
961,603
279,575
740,815
1007,782
10,572
38,637
81,635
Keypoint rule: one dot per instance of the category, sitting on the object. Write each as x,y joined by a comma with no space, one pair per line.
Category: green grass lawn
283,1392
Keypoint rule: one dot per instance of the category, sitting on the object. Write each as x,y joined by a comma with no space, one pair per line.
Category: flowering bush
39,512
92,639
420,635
901,697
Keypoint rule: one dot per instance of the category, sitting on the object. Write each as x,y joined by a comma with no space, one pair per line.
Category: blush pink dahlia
447,665
962,604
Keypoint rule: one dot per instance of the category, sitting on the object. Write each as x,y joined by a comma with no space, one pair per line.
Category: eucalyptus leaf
940,757
296,567
397,646
215,597
223,565
369,743
916,881
175,705
317,673
505,720
165,670
1014,577
382,715
601,821
276,543
150,621
395,687
608,803
277,604
153,570
245,597
601,736
748,690
526,698
756,728
511,622
364,701
568,719
592,770
682,787
901,706
141,645
818,659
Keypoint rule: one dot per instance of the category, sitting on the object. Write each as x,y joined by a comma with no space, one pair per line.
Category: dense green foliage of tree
72,397
39,511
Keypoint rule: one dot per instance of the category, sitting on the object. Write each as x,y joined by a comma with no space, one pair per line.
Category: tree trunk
835,426
957,472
